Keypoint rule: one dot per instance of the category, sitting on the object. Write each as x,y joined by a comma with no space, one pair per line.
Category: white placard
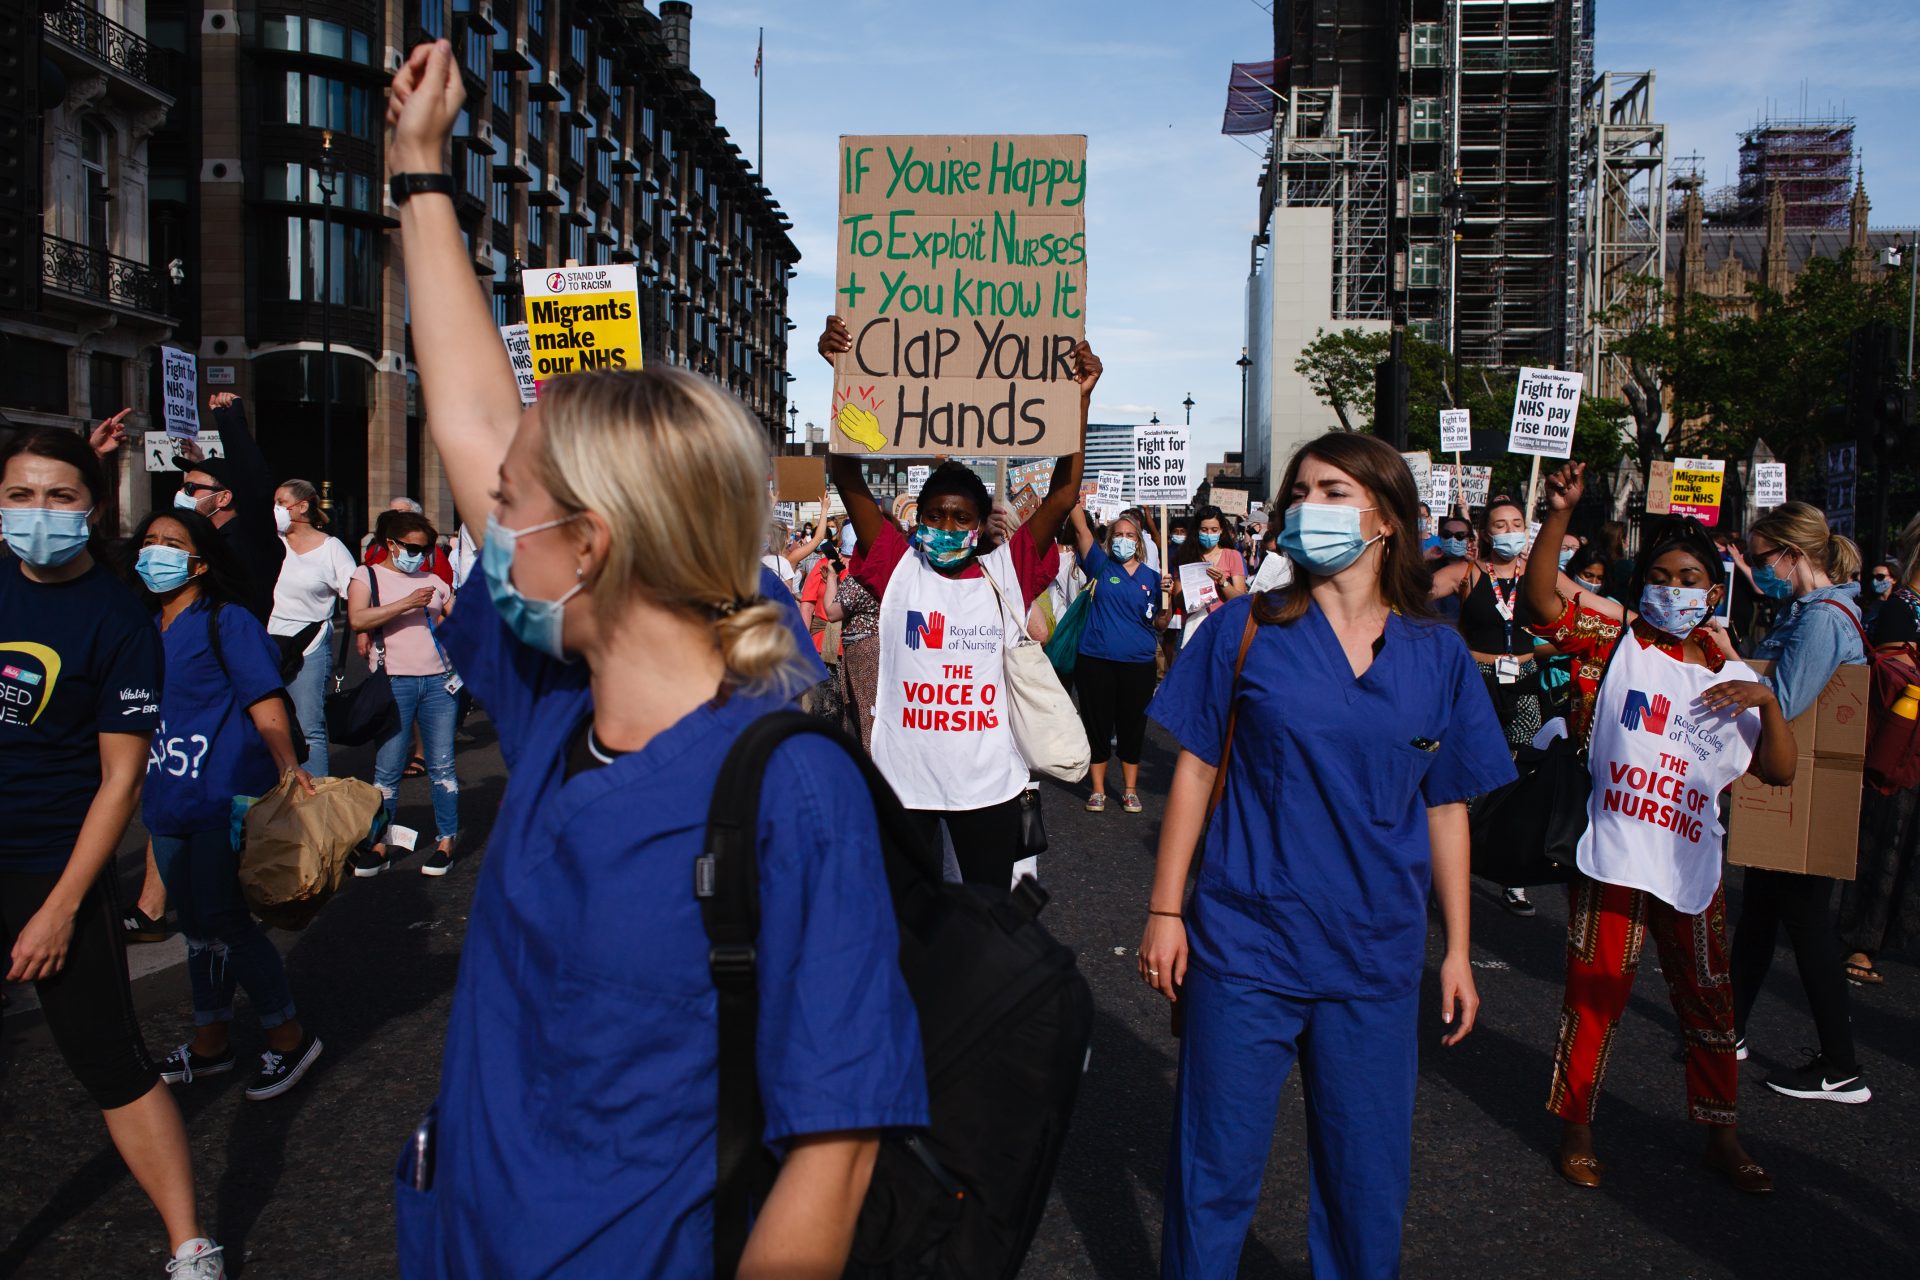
162,452
1456,430
1769,484
1112,485
1545,404
917,479
1478,482
179,389
402,837
788,514
1421,464
1160,465
520,352
1197,587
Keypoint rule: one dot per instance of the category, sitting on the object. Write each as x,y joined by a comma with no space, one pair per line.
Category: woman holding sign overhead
950,605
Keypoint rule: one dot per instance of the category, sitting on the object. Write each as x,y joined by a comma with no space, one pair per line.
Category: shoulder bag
1045,726
366,712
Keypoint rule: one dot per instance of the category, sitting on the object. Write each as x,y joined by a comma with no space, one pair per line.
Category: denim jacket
1810,643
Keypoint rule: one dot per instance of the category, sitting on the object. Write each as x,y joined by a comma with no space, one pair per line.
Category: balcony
102,278
98,39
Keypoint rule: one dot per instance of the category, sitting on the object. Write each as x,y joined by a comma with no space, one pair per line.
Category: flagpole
760,140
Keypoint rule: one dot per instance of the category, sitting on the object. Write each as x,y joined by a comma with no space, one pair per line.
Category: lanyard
1503,605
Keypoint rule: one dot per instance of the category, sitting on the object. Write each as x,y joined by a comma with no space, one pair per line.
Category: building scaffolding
1810,162
1319,163
1623,248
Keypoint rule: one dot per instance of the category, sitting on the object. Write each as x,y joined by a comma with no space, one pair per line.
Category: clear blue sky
1171,202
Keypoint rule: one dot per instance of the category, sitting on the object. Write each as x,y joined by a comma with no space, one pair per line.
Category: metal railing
94,273
95,34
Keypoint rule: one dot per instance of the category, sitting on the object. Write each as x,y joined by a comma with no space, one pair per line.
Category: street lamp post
328,176
1188,404
793,421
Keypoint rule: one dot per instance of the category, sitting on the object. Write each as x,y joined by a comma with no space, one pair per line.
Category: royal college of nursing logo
929,629
1641,712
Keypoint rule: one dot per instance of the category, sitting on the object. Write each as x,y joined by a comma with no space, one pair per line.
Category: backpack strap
727,884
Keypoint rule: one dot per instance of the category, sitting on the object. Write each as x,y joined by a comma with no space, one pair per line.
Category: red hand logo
1655,715
935,631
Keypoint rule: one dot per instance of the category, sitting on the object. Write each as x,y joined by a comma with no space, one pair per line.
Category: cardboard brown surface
962,275
1660,488
799,479
1812,826
1232,502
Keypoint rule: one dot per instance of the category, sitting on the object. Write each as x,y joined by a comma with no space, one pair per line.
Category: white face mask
282,518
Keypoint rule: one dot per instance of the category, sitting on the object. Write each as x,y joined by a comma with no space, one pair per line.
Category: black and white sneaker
1816,1082
438,863
368,861
1516,902
279,1072
137,926
183,1064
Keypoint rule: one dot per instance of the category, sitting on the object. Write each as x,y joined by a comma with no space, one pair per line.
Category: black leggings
1803,904
89,1003
986,842
1113,700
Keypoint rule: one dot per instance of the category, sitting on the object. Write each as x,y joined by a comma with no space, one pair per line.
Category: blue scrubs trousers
1358,1063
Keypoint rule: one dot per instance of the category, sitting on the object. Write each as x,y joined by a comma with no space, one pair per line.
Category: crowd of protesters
1301,860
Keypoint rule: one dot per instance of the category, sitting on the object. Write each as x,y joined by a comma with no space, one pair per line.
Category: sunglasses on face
195,488
420,547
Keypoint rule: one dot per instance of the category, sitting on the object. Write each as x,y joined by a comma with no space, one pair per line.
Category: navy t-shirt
1120,614
207,750
77,659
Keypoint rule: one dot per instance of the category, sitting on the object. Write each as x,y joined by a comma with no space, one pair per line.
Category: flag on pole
759,52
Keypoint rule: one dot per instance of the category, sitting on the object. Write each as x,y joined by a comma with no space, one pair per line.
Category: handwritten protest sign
1696,488
1452,487
1108,495
1545,403
520,352
581,318
179,388
1421,464
1160,465
1232,502
1769,484
162,451
1036,475
962,274
1456,430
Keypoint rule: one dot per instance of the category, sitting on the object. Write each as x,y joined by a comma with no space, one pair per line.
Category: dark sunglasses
194,486
421,547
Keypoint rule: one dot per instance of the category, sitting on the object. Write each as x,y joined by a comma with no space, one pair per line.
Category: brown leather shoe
1744,1176
1580,1170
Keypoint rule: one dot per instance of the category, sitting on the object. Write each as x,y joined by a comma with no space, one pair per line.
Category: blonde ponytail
759,649
1843,558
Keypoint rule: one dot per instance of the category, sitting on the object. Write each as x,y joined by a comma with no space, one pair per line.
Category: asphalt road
298,1187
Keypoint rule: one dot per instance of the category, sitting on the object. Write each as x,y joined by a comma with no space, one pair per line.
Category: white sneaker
198,1259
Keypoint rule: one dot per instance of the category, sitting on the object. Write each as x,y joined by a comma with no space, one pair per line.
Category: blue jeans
308,689
224,943
423,700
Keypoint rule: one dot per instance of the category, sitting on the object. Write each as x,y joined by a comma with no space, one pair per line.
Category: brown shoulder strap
1233,713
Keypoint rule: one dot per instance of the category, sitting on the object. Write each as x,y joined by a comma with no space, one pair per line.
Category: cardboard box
1813,826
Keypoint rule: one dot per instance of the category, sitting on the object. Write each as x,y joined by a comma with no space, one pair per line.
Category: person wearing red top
1669,723
953,598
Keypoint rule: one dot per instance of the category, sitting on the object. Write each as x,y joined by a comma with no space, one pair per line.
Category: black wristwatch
404,186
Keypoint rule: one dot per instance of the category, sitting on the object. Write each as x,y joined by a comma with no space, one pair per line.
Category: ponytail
1843,558
759,648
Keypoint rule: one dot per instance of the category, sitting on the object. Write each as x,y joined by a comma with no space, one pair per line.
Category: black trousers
986,841
89,1003
1803,905
1113,702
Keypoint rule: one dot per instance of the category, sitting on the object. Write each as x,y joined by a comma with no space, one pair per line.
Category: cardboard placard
1026,500
1660,489
1036,475
1697,483
162,451
1456,430
1451,485
179,392
800,479
1769,484
1232,502
1160,465
581,318
519,344
962,273
1545,404
1813,825
1421,464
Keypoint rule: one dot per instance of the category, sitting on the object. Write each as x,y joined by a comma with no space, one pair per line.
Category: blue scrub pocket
1393,782
413,1220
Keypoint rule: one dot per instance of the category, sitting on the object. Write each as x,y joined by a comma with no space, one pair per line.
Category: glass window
1425,125
433,22
302,266
1429,48
106,382
502,92
1423,266
577,145
280,32
536,123
476,55
603,171
537,16
328,39
603,73
502,206
577,45
362,49
1423,195
576,242
536,229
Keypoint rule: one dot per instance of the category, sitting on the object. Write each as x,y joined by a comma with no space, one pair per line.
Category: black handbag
366,712
1033,829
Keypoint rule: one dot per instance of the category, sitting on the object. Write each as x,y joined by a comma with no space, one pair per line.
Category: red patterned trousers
1606,927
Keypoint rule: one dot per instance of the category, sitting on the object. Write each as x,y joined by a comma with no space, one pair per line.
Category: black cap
216,467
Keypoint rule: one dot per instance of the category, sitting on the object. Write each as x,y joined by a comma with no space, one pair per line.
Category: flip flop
1864,975
416,768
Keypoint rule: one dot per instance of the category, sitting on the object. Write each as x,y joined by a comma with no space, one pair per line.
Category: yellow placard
1696,488
581,318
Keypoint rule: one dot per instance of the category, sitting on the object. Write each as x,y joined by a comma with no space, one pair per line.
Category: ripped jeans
225,944
423,700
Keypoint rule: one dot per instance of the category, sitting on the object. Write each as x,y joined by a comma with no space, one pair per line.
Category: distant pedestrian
313,581
1113,672
235,491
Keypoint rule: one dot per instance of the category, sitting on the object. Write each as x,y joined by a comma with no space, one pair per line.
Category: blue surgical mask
186,501
1178,539
1882,585
1208,541
946,549
535,623
162,568
1324,537
1509,545
1678,611
1124,548
408,561
44,537
1454,548
1566,554
1772,584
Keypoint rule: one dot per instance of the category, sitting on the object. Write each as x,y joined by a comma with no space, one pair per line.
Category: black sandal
416,768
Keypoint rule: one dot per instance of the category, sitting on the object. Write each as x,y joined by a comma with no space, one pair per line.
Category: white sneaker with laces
198,1259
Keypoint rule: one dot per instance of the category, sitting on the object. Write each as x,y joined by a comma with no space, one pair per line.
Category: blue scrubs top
576,1115
1317,864
206,750
1120,613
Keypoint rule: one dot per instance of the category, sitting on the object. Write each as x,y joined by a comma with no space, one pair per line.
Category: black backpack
1006,1020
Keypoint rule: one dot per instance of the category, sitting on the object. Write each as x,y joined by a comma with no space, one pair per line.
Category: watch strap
404,186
